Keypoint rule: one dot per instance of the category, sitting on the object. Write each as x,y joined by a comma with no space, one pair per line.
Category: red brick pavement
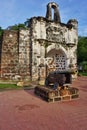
22,110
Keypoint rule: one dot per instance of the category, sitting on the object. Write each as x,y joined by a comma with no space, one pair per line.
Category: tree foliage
17,27
82,49
1,31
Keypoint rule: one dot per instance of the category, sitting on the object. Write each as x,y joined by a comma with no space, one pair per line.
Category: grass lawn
83,73
9,86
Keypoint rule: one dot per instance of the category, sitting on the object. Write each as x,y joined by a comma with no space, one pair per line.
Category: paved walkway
22,110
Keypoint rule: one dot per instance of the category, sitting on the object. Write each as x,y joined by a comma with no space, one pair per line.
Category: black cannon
61,77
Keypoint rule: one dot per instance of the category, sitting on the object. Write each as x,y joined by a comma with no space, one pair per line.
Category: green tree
27,22
82,49
17,27
1,31
84,66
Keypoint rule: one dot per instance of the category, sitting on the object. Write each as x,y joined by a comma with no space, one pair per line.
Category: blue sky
17,11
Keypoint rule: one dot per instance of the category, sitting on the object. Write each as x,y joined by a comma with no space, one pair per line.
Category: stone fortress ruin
45,45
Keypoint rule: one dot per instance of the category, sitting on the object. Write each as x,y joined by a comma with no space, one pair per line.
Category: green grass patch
83,73
9,86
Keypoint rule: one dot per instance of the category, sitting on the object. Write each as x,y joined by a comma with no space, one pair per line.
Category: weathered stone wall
15,55
38,33
9,54
24,54
61,40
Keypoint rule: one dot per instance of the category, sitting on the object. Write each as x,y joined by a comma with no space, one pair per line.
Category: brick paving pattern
22,110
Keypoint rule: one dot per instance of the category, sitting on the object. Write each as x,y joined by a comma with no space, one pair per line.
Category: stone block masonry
9,54
24,54
15,61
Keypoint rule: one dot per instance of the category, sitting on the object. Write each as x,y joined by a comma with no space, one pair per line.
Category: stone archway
58,60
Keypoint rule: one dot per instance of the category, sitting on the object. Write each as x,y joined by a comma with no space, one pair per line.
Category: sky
18,11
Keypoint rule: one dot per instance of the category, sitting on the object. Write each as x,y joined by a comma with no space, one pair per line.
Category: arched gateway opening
58,60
